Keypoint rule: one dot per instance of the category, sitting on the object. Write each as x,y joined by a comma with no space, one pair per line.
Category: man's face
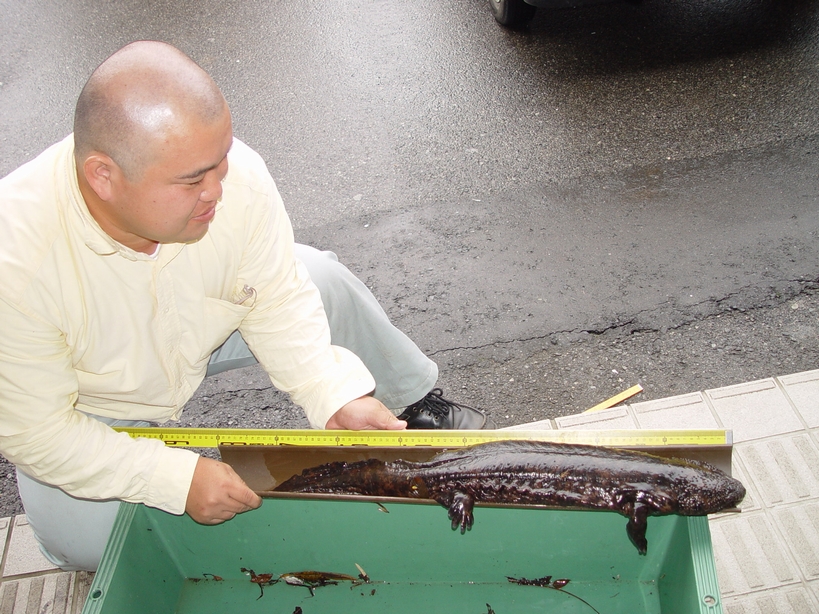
174,200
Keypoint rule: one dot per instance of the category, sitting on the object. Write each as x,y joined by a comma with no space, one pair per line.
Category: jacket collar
95,238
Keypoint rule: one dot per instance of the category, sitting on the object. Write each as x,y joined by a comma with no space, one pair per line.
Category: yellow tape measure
211,438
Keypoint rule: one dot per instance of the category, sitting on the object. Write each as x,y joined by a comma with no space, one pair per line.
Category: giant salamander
634,484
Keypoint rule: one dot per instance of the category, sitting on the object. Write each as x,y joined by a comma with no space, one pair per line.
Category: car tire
512,13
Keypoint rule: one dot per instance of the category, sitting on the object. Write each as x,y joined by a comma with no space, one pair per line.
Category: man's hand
217,493
365,413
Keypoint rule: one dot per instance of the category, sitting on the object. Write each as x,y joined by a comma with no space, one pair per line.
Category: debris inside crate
308,579
547,582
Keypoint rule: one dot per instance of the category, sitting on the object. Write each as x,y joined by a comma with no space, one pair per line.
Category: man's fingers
239,497
230,507
245,498
364,413
386,420
395,424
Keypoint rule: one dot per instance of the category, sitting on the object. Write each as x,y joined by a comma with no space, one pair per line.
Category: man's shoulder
30,216
33,189
249,189
247,167
47,158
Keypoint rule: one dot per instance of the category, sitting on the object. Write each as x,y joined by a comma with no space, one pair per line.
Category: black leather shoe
435,412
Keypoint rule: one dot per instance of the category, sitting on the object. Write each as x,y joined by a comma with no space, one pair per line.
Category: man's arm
286,328
48,439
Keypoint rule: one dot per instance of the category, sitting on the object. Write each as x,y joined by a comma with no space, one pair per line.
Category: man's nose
212,188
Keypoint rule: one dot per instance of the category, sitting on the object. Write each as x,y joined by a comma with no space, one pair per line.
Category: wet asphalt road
617,194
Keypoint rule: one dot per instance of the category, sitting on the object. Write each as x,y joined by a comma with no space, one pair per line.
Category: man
131,253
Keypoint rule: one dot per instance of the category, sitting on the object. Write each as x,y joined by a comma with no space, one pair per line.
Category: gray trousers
73,532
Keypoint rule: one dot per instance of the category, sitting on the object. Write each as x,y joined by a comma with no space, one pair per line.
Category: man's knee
327,273
71,532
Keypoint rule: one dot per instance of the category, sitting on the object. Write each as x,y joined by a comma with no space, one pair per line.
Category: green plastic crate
159,563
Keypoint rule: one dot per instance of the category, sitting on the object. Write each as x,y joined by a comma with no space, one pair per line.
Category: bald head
142,94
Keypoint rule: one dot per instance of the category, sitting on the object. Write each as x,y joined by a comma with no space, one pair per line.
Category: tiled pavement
767,557
30,583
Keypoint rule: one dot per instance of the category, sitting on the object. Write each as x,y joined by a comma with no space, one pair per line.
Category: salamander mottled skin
634,484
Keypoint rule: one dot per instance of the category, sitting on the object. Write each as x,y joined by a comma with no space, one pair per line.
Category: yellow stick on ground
617,398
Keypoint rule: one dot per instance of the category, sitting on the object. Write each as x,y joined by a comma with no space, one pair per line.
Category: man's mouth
207,216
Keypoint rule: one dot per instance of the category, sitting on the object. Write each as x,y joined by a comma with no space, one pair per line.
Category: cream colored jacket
88,326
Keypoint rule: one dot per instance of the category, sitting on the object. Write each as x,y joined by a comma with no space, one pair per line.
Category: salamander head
710,494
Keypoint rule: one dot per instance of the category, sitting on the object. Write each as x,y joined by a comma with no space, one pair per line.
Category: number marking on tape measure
212,438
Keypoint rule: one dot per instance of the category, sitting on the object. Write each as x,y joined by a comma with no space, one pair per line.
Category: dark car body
518,12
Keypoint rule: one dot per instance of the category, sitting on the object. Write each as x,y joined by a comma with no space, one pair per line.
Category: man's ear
101,173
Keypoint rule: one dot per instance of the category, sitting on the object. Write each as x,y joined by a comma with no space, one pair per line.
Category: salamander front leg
460,511
637,525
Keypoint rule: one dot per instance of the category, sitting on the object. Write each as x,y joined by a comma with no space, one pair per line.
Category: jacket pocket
221,319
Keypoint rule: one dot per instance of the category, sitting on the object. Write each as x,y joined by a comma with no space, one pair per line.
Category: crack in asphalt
686,317
233,394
